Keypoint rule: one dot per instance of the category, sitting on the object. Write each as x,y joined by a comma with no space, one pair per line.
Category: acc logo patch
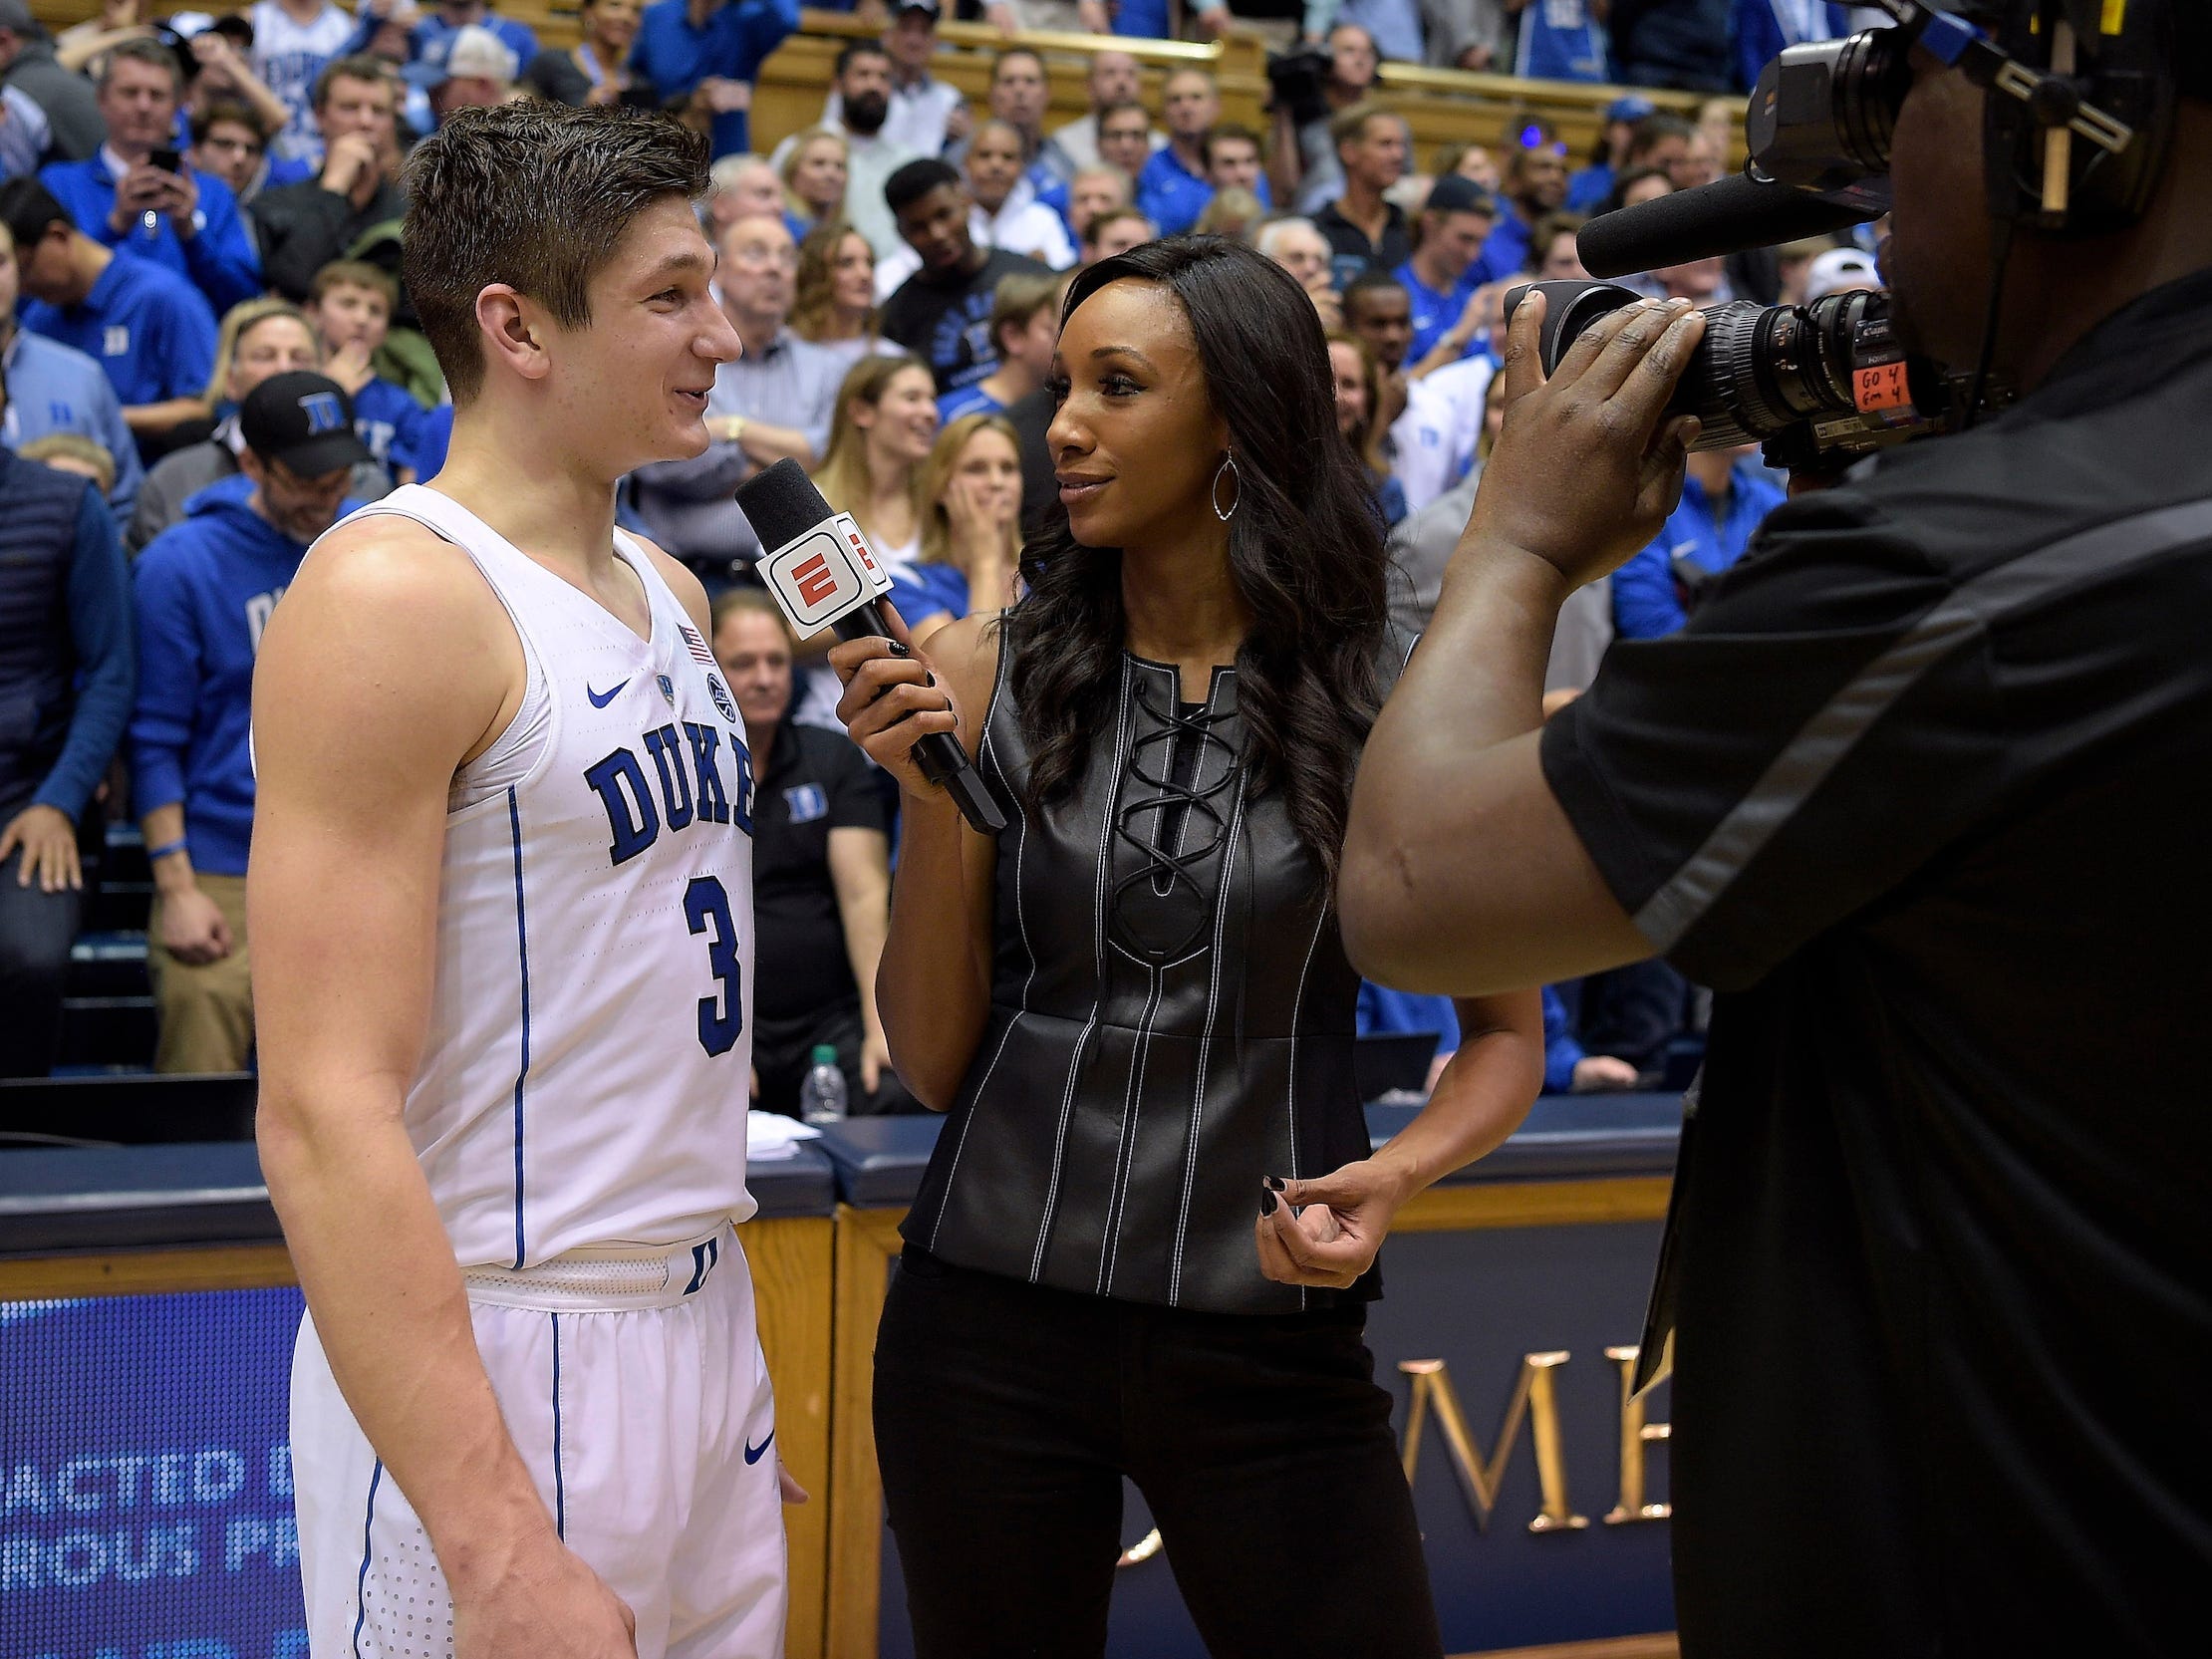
723,700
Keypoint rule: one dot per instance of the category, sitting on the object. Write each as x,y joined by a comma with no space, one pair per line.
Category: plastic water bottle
822,1095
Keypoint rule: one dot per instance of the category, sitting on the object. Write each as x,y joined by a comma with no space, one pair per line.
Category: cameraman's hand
1584,472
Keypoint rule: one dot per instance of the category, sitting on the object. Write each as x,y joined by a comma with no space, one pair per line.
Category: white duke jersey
289,55
587,1068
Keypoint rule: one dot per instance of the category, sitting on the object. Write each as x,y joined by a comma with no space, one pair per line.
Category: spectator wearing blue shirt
1393,25
1447,264
1588,188
710,53
51,388
1725,497
1567,1068
1765,27
204,591
1173,190
185,220
1536,184
1149,19
66,675
349,310
1564,40
147,328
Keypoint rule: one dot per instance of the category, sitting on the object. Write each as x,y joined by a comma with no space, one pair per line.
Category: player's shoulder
394,586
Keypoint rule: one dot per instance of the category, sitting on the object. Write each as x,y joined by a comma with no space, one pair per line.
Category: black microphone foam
781,503
1729,215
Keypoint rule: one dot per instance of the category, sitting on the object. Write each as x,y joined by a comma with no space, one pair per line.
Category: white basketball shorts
635,1390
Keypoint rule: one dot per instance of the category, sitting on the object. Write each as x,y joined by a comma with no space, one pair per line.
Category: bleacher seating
1443,106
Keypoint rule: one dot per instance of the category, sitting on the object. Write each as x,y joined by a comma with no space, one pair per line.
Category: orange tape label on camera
1881,386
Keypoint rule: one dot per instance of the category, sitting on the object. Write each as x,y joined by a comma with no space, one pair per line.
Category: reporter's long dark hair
1306,549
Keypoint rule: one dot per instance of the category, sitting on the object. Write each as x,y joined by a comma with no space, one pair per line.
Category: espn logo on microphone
816,579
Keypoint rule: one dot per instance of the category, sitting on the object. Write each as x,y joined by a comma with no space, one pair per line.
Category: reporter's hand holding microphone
891,698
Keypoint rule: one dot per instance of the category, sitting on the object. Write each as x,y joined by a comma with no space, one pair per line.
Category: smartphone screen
168,160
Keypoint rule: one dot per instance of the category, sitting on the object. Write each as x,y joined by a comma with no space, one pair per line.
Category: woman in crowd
1135,1002
1024,330
835,304
1358,382
1636,186
882,432
1013,219
814,173
971,540
1468,161
821,876
1553,255
594,70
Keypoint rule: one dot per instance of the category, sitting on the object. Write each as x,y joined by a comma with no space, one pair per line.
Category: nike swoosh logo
600,699
753,1454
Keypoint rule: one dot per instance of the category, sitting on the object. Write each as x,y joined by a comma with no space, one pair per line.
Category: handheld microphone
823,574
1729,215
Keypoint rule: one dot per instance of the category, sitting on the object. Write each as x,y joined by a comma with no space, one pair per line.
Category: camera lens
1761,370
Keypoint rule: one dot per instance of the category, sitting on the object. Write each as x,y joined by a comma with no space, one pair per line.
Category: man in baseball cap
204,590
477,71
298,431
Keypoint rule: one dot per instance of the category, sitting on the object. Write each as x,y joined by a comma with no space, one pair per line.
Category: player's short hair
750,600
914,180
354,273
360,67
534,196
74,446
140,50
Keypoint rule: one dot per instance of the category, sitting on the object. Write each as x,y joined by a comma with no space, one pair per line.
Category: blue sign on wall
146,1483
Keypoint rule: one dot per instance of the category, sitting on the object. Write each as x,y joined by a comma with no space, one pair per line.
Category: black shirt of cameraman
1922,791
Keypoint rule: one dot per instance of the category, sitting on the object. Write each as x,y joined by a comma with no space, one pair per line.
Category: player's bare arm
389,665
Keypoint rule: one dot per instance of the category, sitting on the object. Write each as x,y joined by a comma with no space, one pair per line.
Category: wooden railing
1443,106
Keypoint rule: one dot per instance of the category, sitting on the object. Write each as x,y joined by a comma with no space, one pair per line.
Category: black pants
1006,1415
36,931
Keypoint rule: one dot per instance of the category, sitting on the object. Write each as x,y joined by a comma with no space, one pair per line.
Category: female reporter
1147,1237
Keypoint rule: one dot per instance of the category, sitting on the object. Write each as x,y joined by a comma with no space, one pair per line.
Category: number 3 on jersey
721,1020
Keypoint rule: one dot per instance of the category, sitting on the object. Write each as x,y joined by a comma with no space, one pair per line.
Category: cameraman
1922,790
1309,87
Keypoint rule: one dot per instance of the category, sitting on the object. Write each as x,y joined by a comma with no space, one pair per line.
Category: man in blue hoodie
204,591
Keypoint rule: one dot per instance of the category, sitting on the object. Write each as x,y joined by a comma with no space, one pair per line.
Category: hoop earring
1213,495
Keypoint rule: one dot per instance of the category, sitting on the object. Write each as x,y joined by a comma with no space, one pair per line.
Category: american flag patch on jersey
697,649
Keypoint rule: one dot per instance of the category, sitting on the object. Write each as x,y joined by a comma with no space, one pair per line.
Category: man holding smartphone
137,194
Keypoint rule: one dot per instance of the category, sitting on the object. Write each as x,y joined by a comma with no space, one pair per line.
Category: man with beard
1919,792
858,105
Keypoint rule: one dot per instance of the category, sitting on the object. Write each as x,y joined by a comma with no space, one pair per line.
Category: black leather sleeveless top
1172,1019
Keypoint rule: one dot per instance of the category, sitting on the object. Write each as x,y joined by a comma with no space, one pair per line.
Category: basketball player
504,860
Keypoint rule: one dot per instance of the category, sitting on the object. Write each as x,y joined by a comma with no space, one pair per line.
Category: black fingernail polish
928,678
1266,1202
898,649
1274,1182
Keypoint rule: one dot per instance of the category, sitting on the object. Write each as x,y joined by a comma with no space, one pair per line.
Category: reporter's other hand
1585,469
1326,1232
891,700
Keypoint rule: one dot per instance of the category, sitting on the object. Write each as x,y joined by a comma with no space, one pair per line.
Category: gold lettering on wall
1636,1437
1533,1397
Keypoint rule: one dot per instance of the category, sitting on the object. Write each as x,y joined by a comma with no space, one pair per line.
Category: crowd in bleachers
208,357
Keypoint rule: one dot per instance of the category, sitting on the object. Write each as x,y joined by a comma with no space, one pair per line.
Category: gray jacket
181,475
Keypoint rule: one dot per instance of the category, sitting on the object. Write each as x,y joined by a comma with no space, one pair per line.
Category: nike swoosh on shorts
753,1454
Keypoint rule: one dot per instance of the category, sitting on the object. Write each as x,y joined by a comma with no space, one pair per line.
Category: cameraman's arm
1583,473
